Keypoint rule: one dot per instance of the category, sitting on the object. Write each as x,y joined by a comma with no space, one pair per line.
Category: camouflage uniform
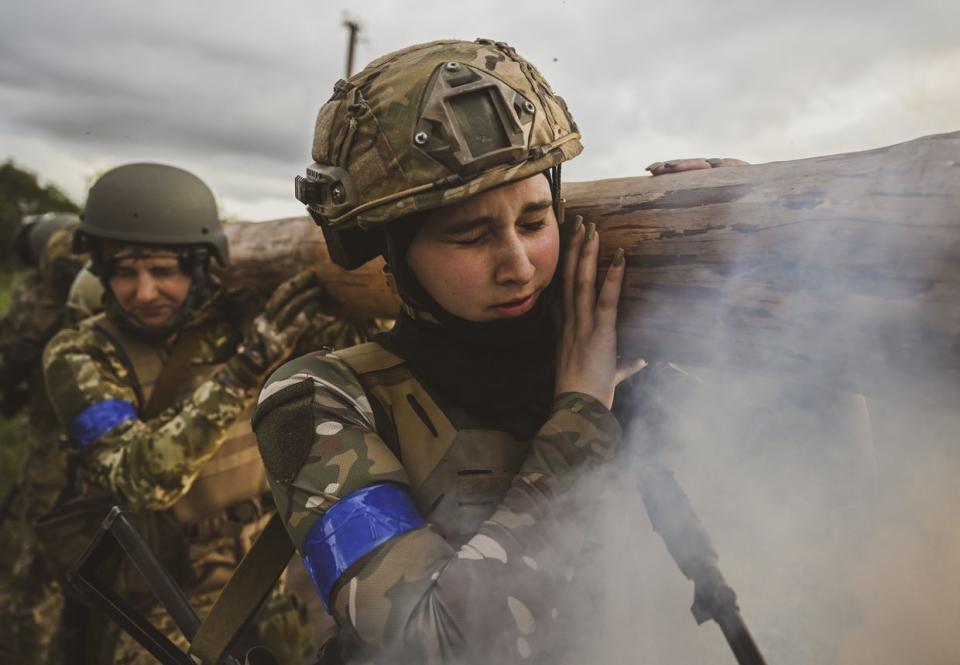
36,312
481,587
174,449
152,464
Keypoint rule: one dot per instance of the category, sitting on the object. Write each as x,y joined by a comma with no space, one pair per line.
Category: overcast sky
229,89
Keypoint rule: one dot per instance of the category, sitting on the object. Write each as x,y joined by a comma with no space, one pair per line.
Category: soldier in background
155,395
32,602
36,302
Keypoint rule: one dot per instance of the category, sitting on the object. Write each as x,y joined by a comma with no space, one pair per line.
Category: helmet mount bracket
470,120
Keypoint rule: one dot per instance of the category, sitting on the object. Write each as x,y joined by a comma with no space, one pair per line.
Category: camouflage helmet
152,204
425,127
34,232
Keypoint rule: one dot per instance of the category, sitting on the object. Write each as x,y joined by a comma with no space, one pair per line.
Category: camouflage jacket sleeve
146,464
416,598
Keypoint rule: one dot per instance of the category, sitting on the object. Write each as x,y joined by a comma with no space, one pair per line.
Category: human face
492,255
151,288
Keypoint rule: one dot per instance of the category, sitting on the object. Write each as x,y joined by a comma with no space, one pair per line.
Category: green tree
21,194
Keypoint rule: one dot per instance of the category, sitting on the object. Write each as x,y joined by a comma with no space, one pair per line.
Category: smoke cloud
834,518
834,514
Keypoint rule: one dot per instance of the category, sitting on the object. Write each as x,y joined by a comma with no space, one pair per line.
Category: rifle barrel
739,638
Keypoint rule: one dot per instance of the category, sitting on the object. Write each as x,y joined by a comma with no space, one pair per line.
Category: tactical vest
458,476
223,510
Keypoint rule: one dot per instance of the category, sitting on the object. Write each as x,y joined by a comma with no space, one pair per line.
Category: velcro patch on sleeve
283,423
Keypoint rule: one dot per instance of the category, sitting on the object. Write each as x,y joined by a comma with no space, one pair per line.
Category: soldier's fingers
585,294
627,367
308,300
570,260
298,326
605,317
311,311
289,290
302,321
296,305
717,162
678,165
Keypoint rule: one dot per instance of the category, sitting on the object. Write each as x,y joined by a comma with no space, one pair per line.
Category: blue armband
352,528
98,419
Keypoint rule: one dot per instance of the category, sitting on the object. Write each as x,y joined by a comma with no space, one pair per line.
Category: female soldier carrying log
423,476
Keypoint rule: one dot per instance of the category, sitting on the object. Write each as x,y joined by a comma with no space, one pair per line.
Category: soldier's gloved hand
275,332
711,594
695,164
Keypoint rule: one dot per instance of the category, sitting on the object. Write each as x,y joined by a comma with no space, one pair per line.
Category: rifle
674,518
117,535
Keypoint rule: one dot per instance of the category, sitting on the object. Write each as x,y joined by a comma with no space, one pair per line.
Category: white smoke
841,543
834,515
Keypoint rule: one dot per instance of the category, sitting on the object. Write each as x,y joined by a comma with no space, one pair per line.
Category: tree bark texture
842,270
263,254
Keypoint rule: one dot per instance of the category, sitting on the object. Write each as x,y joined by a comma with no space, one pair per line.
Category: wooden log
842,269
263,254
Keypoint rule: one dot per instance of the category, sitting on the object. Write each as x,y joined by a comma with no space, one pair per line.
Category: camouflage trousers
283,626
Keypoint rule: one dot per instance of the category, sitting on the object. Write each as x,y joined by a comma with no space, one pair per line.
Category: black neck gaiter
500,373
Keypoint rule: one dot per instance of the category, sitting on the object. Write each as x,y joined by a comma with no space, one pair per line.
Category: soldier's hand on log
587,359
694,164
275,332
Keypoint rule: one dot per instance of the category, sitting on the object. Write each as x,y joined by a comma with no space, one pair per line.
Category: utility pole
354,28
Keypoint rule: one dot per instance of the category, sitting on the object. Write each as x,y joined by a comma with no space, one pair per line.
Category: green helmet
34,232
426,127
152,204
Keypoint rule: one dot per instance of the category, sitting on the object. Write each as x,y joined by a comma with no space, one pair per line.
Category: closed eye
472,240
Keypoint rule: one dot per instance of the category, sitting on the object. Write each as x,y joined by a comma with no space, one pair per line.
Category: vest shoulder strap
157,379
171,376
367,358
424,433
142,359
248,587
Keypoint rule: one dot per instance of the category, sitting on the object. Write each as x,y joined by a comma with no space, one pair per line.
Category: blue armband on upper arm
98,419
353,527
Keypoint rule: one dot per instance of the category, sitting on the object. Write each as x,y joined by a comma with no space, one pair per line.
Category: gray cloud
232,88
